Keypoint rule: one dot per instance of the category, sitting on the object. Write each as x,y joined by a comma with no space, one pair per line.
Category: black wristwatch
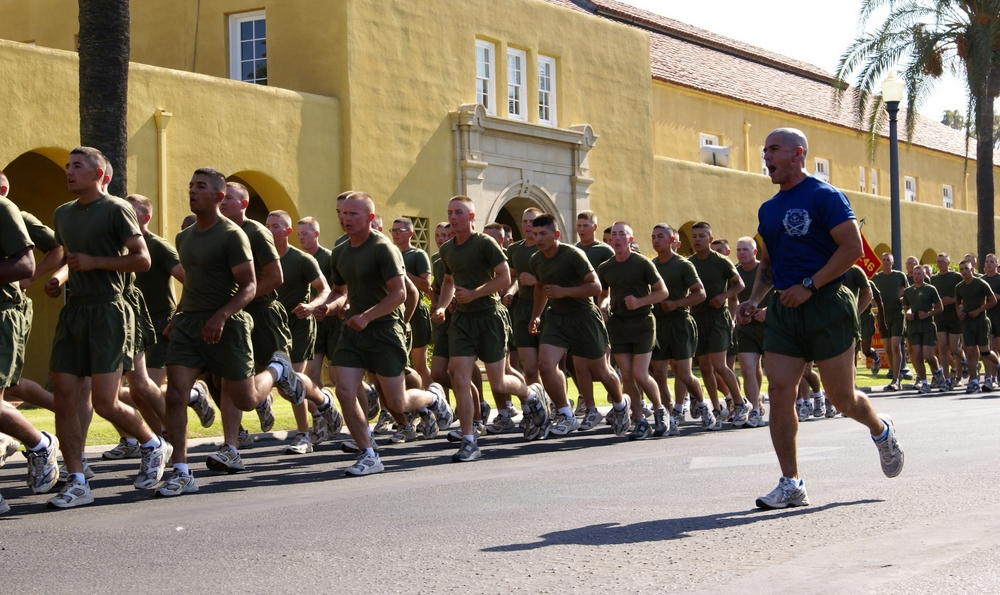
808,283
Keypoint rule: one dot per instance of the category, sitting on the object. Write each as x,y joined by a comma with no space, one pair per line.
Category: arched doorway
38,185
929,257
684,234
518,196
266,195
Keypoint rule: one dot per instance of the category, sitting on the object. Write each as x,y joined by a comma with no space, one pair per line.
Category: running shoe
8,446
382,426
202,404
154,461
804,409
373,407
366,464
722,414
891,386
890,455
469,451
790,492
123,450
88,473
685,408
673,430
989,385
876,364
925,388
581,407
755,419
244,439
4,507
71,495
429,423
972,388
405,434
501,423
536,413
444,413
179,483
591,419
818,404
938,379
660,426
43,468
621,422
741,413
288,383
831,411
265,413
484,411
299,445
564,424
646,411
641,430
225,460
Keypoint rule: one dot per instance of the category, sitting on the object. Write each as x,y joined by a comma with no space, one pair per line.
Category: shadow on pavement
664,529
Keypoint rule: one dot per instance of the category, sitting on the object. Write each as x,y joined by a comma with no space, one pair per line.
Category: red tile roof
685,55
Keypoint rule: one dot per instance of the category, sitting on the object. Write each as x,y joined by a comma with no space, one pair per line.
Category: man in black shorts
993,314
418,270
921,303
597,253
890,285
750,336
811,238
973,297
949,329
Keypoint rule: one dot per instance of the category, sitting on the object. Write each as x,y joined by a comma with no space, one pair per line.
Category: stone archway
518,196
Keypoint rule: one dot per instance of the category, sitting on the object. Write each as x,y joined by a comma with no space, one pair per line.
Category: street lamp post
892,94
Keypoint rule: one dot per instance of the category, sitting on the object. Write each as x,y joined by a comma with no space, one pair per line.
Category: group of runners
258,314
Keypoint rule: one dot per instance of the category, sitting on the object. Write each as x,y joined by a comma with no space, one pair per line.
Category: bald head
791,138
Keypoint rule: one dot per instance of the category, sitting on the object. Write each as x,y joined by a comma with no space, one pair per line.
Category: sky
808,30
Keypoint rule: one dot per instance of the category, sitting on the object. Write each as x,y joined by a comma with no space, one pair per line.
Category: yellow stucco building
563,104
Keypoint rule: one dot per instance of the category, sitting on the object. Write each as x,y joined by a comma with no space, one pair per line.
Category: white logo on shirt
796,222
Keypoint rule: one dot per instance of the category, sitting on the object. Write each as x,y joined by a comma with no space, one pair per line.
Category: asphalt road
590,513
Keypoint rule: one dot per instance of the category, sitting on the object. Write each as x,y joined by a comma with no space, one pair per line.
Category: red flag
869,261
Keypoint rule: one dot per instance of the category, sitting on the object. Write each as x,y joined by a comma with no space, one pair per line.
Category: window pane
246,71
246,50
259,29
261,69
246,30
260,50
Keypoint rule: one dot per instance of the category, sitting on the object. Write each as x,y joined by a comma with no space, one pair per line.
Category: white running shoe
244,439
564,424
790,492
179,483
202,404
818,404
890,455
288,383
225,460
71,495
299,445
154,461
43,468
123,450
367,464
501,423
591,419
8,446
741,414
621,421
265,413
405,434
444,413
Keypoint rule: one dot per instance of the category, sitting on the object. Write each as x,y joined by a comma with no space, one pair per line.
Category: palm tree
104,55
926,38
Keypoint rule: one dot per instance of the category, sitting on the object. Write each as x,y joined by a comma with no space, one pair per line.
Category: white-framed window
948,196
547,90
706,139
248,47
910,188
874,181
517,89
486,75
862,182
821,169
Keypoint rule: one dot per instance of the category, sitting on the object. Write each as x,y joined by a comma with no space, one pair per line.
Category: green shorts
303,338
867,322
91,336
921,332
379,348
750,338
327,335
895,322
143,332
28,311
420,326
441,337
581,333
976,331
479,334
715,331
948,323
231,358
13,337
156,354
994,324
676,337
632,334
511,345
823,327
270,331
520,319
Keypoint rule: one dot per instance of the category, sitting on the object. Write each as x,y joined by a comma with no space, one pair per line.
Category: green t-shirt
365,271
13,239
715,272
208,258
994,283
99,228
855,280
520,254
635,276
470,265
264,253
41,235
973,295
749,278
155,283
890,286
567,268
298,270
416,262
322,258
437,271
945,284
679,275
597,252
920,299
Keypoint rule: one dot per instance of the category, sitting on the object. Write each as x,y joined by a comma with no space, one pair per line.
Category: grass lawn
101,432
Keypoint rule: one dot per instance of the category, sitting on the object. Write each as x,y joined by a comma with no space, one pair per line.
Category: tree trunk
104,56
985,239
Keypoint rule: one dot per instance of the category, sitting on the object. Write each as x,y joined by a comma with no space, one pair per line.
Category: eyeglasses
398,230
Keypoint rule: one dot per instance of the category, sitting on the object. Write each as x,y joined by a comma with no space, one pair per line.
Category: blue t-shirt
795,226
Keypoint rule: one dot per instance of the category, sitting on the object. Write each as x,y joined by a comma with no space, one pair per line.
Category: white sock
182,468
278,368
510,404
566,411
42,444
469,437
618,406
131,441
76,478
153,442
370,452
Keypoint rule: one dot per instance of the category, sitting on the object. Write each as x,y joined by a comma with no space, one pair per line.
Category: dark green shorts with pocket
520,319
921,332
303,338
480,334
420,326
976,331
156,354
327,335
13,337
715,331
750,338
581,333
676,337
379,348
822,327
895,322
867,322
231,358
270,331
948,323
92,336
632,334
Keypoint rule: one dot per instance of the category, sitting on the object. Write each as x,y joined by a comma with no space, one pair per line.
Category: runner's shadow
663,529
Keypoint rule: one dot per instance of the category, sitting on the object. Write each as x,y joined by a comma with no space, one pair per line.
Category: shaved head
792,138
